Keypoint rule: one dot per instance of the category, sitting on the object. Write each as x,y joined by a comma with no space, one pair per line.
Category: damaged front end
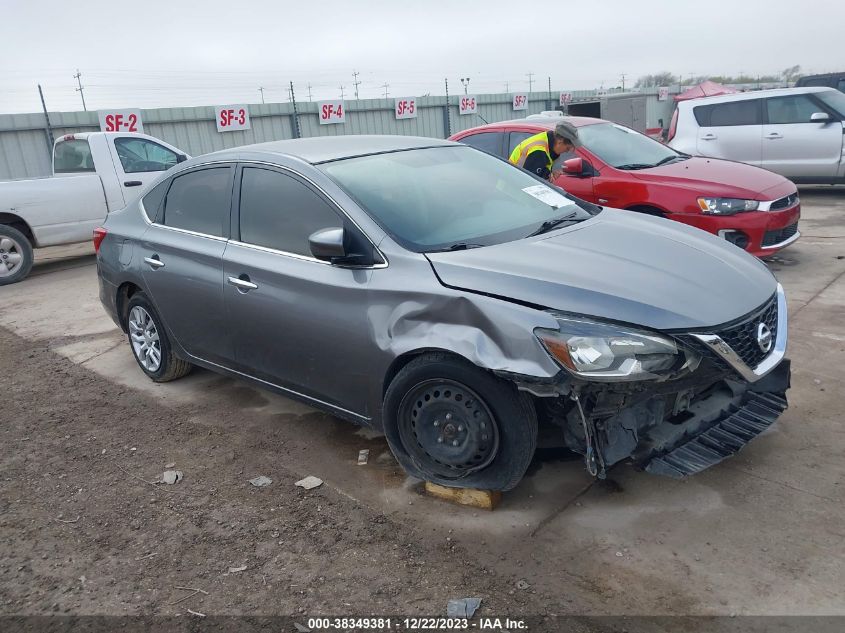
674,404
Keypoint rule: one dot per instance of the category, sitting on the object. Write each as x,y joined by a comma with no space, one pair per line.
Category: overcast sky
176,53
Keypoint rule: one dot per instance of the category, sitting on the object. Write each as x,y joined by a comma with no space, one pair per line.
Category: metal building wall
25,151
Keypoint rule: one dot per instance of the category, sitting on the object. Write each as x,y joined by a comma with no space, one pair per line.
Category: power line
78,76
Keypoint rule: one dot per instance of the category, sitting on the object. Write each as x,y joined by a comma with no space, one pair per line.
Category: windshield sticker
547,195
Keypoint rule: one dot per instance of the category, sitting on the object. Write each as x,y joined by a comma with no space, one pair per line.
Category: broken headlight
604,352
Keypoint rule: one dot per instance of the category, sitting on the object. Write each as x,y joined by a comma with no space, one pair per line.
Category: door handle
774,135
709,137
244,285
154,261
132,183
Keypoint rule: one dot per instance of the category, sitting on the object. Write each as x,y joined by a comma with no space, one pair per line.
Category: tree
791,74
664,78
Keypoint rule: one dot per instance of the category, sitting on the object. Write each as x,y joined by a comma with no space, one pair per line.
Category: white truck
93,173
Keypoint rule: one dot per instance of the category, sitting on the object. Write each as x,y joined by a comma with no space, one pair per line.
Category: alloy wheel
11,257
143,335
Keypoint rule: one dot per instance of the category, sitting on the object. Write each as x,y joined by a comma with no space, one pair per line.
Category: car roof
756,94
321,149
539,123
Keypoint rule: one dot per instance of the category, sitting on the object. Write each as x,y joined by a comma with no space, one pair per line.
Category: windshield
833,99
623,148
451,197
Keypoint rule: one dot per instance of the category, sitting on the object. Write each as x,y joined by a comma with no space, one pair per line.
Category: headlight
726,206
598,351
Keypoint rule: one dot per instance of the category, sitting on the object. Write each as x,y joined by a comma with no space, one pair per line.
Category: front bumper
758,227
691,451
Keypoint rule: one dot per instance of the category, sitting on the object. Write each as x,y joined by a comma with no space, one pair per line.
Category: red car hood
715,177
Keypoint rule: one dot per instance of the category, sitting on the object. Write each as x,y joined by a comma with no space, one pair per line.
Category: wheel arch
124,293
403,359
20,224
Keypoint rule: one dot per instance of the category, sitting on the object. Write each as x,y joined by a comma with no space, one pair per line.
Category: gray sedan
452,301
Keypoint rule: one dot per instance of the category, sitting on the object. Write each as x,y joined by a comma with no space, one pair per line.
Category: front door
182,261
796,147
138,161
297,322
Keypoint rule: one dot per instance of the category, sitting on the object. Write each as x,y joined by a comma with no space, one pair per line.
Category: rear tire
453,424
149,343
16,256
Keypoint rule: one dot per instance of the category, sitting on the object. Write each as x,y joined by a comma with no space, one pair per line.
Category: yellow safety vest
532,144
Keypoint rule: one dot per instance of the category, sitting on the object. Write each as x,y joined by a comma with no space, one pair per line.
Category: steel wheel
447,428
11,256
145,339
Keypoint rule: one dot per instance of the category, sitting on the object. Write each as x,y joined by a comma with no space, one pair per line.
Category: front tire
16,256
453,424
149,343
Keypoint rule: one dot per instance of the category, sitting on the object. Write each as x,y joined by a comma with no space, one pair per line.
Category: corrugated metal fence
25,149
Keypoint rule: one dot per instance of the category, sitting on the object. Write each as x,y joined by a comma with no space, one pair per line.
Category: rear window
199,201
728,114
72,156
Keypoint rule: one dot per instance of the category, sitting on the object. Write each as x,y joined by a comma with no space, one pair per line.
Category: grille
743,337
780,235
785,203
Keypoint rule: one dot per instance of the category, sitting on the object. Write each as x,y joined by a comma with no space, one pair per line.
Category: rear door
182,260
733,130
796,147
138,161
298,322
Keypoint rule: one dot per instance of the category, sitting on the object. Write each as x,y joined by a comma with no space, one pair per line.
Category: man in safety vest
537,153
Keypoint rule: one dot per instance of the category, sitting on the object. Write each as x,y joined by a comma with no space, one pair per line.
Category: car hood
620,266
716,177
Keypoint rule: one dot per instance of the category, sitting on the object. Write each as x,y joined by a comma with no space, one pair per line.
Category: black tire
170,367
14,245
437,385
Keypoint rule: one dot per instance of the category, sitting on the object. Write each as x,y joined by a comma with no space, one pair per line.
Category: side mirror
573,166
327,244
181,158
819,117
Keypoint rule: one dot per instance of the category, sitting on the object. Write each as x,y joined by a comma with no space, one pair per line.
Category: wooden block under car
484,499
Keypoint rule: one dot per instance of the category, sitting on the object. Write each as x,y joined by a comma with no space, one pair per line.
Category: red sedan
754,209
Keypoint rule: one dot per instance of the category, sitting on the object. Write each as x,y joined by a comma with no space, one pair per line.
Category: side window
840,86
490,142
199,201
72,156
794,109
517,138
728,114
280,212
152,201
140,155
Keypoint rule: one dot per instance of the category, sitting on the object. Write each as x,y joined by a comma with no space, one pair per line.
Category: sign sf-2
120,121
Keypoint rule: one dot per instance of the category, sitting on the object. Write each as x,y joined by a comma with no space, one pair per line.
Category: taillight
673,126
99,236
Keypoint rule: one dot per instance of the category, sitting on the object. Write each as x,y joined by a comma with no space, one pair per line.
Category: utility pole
355,82
507,87
309,92
530,82
261,90
77,76
448,112
385,86
623,82
297,131
341,91
465,84
551,103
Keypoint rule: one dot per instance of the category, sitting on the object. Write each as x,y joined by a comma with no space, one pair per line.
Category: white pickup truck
93,173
